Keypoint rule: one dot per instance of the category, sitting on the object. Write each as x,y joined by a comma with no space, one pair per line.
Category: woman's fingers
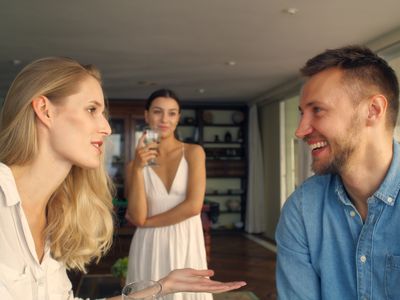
195,272
191,280
141,140
144,153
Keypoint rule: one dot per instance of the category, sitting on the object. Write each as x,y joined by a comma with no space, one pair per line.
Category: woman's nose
164,117
105,127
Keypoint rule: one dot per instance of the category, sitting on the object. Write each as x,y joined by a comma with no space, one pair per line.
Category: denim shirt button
389,199
363,258
352,213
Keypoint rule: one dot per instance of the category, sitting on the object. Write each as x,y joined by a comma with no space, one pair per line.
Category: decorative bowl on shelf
208,117
232,205
235,191
238,225
188,120
238,117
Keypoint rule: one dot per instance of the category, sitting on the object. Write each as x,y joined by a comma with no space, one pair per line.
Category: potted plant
119,269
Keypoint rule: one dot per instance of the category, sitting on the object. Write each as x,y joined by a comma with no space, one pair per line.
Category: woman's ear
146,112
377,109
41,107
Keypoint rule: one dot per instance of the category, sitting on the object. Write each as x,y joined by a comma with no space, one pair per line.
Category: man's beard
341,151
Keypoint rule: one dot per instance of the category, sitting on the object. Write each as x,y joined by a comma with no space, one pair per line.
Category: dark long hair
166,93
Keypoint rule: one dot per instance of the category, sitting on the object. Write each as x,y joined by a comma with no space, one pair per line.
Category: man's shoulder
320,179
315,184
312,193
306,205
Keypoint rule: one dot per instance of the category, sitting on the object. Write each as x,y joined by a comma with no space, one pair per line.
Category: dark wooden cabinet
126,121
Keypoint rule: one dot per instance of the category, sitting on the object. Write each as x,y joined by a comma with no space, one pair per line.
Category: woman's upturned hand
144,152
191,280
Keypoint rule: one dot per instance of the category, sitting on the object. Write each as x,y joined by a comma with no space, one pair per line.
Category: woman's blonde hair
79,213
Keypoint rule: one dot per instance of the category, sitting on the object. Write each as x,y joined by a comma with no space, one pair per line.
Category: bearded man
338,236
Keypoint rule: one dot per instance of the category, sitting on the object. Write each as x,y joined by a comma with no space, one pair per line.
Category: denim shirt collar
389,188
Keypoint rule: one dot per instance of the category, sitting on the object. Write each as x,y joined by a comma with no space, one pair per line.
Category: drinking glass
141,290
152,136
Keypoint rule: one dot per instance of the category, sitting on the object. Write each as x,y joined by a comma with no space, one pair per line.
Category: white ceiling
185,44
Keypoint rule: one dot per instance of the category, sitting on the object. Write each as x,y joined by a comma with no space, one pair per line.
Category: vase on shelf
228,137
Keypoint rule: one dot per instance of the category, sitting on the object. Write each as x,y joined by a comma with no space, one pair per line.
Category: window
295,162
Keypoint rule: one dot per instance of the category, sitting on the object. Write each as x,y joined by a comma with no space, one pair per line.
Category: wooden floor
233,257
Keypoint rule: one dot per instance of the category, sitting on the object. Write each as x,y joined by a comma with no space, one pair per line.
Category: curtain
255,207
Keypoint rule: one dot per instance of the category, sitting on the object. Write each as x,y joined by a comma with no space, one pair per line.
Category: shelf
230,212
219,143
222,195
226,168
229,192
222,125
189,125
235,158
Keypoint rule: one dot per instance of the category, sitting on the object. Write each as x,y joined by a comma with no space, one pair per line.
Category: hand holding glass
141,290
152,136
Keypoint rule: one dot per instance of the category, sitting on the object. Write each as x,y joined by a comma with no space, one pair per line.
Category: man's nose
304,128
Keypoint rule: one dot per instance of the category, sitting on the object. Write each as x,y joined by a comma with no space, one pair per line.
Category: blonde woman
165,201
55,201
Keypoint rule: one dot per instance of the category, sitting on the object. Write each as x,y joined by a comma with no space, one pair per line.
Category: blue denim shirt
326,251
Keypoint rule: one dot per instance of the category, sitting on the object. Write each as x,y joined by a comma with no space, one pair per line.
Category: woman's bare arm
191,280
136,211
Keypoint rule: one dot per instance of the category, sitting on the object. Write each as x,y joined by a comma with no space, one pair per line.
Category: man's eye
317,109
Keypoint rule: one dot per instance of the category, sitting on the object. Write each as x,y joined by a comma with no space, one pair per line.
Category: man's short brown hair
364,72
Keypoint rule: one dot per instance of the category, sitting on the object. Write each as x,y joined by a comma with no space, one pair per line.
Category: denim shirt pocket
392,277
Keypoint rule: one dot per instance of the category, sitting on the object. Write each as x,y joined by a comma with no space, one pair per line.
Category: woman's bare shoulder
194,151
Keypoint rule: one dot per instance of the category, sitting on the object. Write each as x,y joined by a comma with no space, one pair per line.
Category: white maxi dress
156,251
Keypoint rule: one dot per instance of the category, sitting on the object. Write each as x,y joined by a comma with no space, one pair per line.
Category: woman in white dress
165,201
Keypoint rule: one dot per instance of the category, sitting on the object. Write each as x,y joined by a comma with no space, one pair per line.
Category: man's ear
377,108
41,107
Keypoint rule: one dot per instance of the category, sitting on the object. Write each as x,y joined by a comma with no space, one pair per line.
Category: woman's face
163,114
79,126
